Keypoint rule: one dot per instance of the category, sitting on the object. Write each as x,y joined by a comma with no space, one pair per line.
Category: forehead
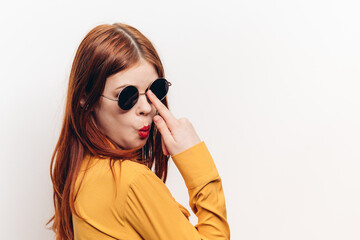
140,75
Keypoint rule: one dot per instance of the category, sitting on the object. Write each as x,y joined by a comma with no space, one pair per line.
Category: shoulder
99,175
131,171
127,169
102,186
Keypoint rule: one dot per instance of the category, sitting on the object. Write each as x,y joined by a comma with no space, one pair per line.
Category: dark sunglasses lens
128,97
160,88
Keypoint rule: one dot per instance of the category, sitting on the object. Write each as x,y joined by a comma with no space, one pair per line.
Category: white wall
272,87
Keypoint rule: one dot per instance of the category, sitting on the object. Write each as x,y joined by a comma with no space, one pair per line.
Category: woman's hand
177,134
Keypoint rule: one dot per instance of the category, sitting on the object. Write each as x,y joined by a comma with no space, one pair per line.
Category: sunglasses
129,96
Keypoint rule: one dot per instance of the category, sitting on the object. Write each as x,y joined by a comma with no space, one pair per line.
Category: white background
272,87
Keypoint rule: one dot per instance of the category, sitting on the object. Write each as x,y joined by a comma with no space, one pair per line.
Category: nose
143,105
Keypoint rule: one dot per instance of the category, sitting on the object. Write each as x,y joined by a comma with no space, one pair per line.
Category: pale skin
122,126
177,134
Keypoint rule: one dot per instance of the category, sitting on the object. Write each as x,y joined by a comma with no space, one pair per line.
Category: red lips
144,132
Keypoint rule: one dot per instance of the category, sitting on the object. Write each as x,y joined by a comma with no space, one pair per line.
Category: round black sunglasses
129,96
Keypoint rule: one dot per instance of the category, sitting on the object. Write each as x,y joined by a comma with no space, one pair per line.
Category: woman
116,126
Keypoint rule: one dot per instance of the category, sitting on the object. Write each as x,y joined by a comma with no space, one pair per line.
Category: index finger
162,109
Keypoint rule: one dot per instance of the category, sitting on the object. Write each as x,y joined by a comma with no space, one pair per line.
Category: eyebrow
122,86
130,85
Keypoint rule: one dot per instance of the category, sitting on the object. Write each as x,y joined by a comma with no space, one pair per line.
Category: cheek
107,115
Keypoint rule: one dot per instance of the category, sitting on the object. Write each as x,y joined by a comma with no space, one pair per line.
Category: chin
136,144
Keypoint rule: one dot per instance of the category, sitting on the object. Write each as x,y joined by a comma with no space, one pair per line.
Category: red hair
105,50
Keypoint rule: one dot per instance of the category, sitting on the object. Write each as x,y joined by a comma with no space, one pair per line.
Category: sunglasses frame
169,84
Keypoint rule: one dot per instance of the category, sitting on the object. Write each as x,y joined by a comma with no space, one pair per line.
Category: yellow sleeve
153,212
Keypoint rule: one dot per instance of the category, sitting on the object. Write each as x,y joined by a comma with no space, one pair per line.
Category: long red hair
105,50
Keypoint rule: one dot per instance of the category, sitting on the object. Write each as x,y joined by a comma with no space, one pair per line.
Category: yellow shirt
144,207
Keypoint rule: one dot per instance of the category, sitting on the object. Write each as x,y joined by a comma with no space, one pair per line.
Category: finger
162,109
163,129
165,151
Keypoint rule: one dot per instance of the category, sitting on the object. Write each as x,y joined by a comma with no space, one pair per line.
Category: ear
82,102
